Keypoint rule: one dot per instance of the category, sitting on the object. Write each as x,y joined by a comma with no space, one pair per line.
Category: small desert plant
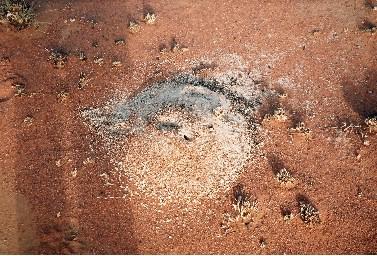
150,18
278,115
287,215
58,57
309,214
98,60
371,122
371,4
177,47
82,56
119,41
116,63
83,80
262,243
300,128
284,176
245,210
243,205
19,88
368,26
133,26
17,13
62,96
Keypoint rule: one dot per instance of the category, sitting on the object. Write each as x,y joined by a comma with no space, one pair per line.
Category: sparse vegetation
83,80
300,128
28,120
347,128
62,96
98,60
58,57
284,176
18,13
278,115
287,215
116,63
372,4
20,89
71,234
283,95
244,208
133,26
262,243
368,26
163,48
371,123
150,18
309,214
176,47
82,56
119,41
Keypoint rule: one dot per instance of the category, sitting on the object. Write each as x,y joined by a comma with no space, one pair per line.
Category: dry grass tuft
133,27
150,18
309,214
284,177
244,212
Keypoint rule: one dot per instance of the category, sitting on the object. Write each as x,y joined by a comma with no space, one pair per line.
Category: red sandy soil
52,197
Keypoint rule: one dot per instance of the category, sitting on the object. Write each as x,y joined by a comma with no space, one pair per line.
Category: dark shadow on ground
362,96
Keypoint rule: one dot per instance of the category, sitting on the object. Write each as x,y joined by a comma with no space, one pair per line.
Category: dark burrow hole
187,138
168,126
239,194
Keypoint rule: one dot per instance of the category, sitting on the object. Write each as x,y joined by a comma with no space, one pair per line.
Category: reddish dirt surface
52,197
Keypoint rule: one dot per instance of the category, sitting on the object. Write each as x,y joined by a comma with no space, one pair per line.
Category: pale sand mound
184,138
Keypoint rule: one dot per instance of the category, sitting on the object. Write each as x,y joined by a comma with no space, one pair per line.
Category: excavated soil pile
184,138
